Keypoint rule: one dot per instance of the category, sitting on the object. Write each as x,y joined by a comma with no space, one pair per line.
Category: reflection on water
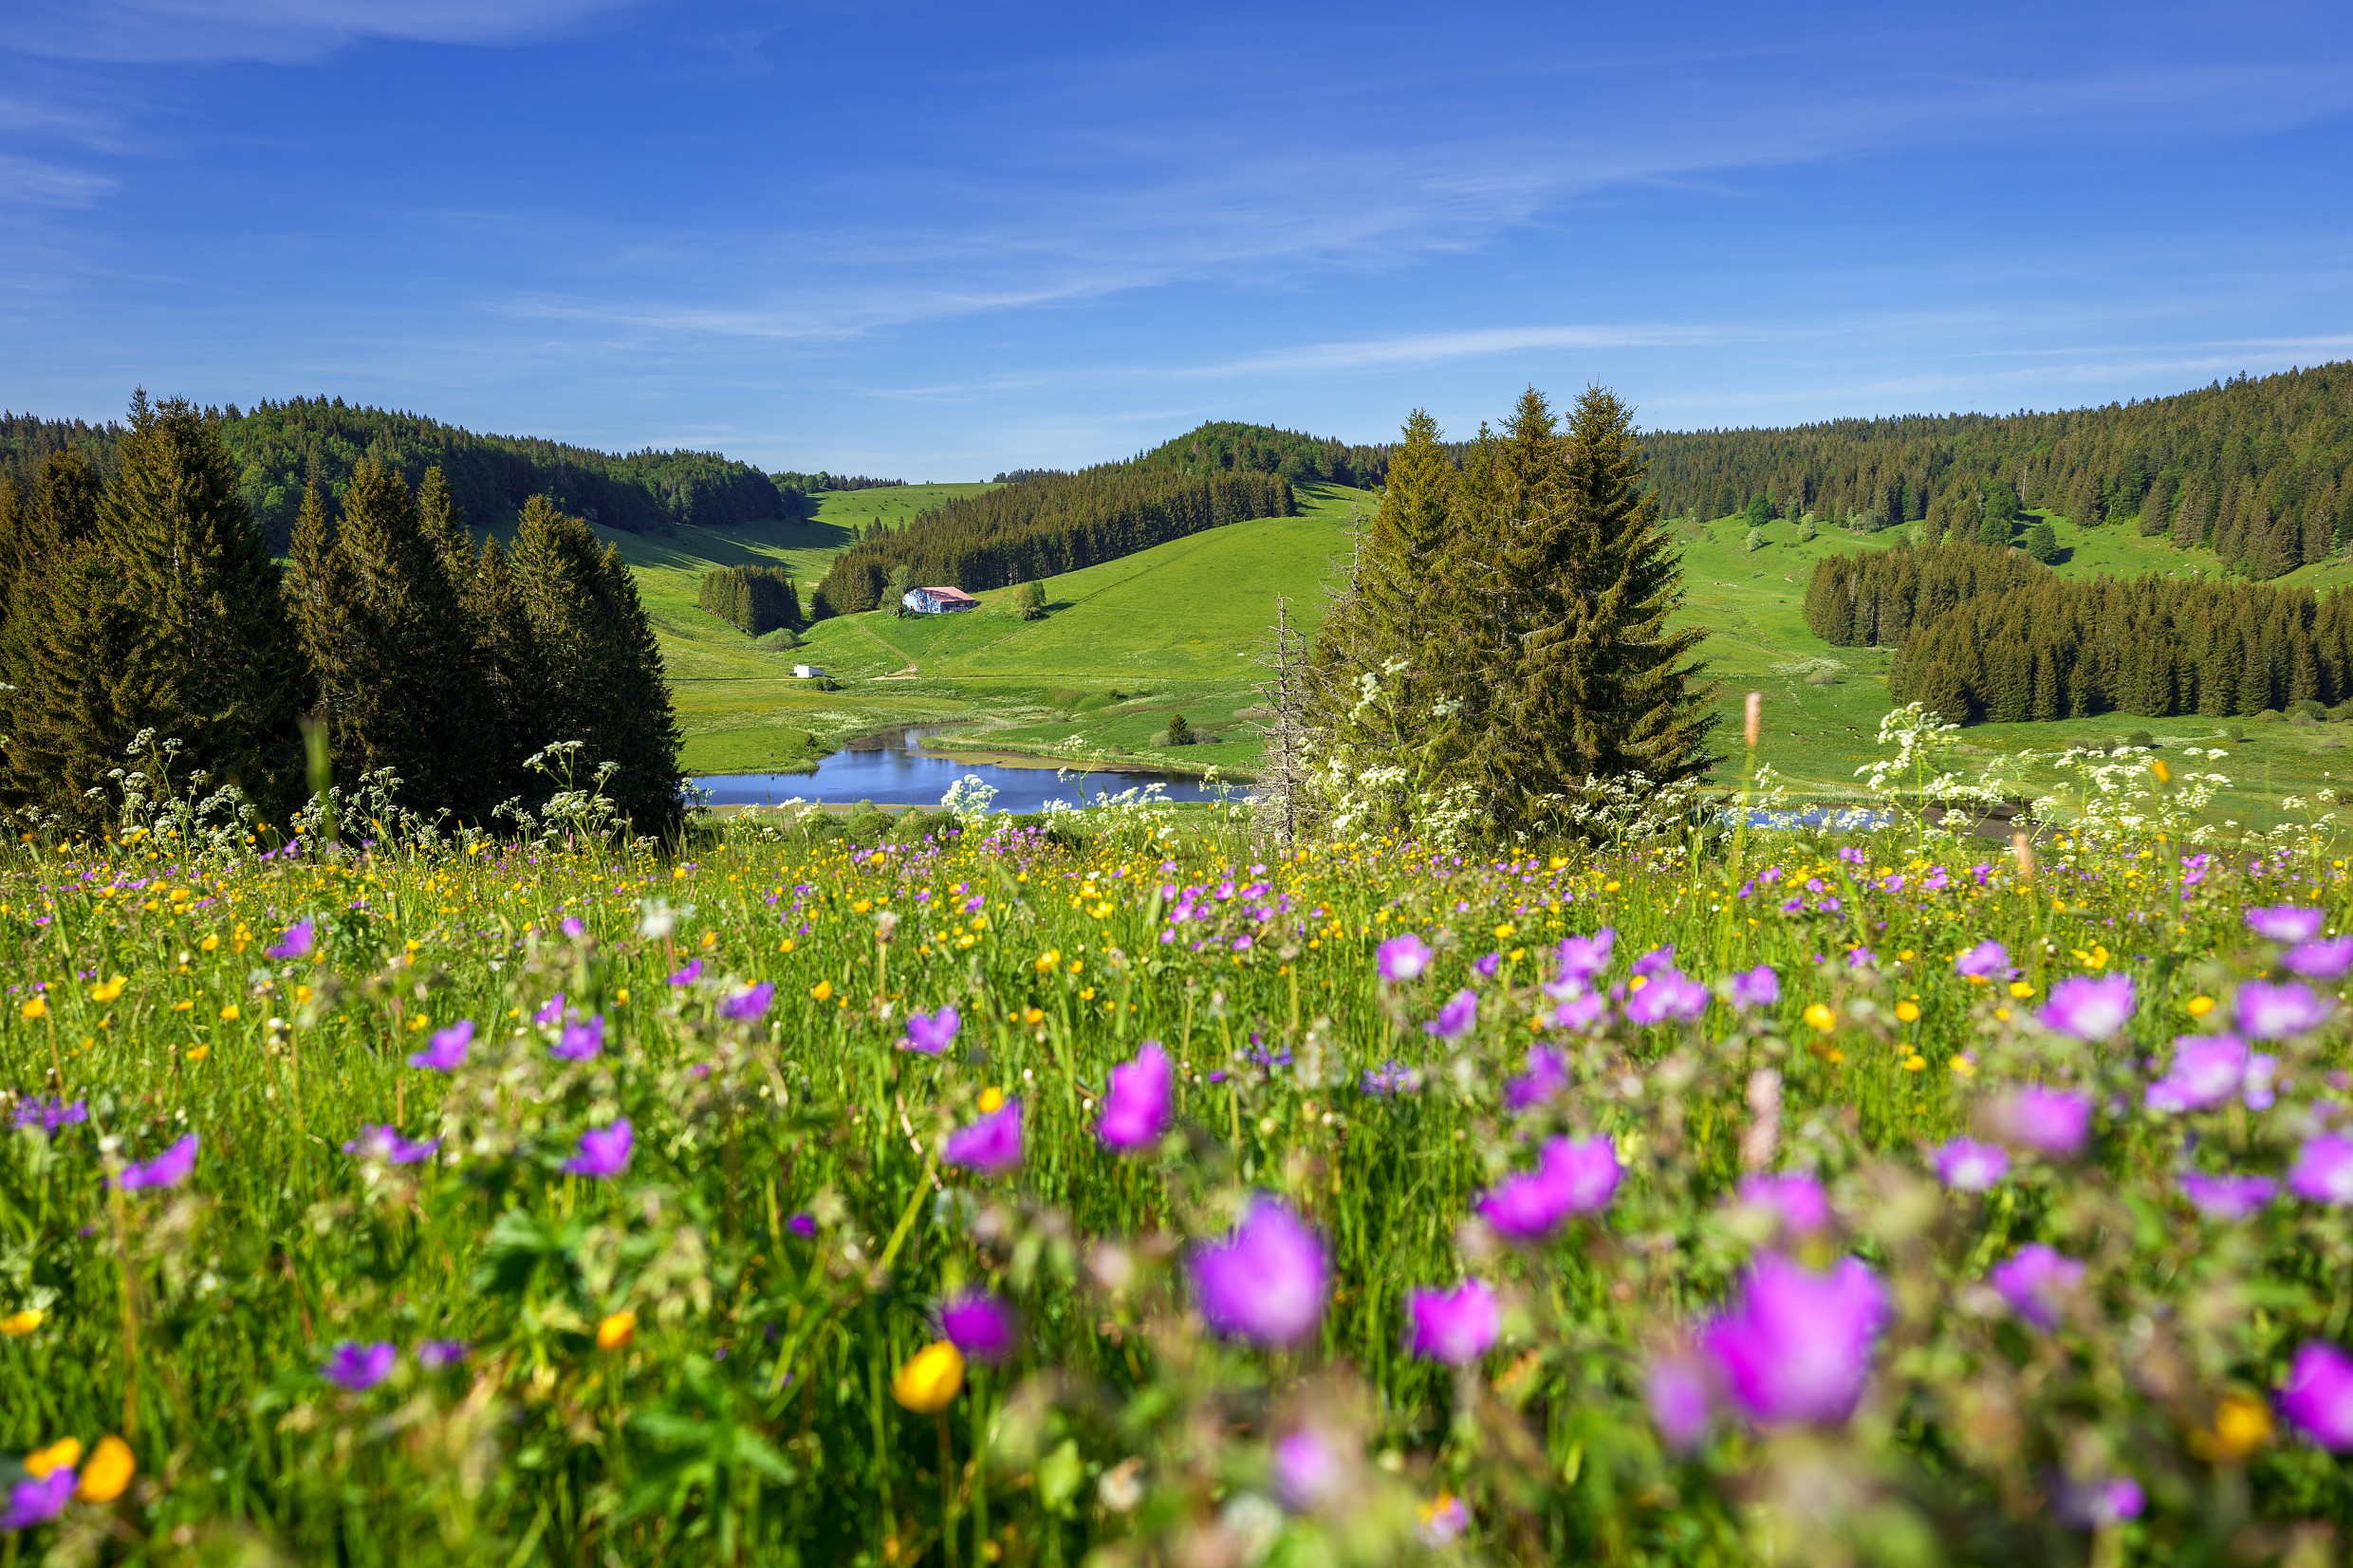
888,769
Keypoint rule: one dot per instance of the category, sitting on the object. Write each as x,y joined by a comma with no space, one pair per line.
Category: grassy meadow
318,1247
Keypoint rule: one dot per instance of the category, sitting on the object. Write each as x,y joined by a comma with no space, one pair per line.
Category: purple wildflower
1671,995
688,975
299,939
990,1145
2286,923
169,1169
386,1144
1680,1388
603,1150
581,1039
1267,1282
1797,1346
1546,1075
32,1503
2207,1070
1756,988
1793,1198
356,1367
1487,964
550,1011
1572,1176
2227,1197
1967,1165
2049,1121
434,1355
1390,1077
2265,1011
982,1326
2257,1094
1401,958
803,1225
1455,1326
1579,1012
2318,1396
750,1004
445,1052
1988,960
572,928
1135,1105
2092,1504
1581,959
1457,1017
2089,1007
1308,1469
2324,1169
931,1034
1443,1520
49,1115
2036,1282
1657,961
2322,958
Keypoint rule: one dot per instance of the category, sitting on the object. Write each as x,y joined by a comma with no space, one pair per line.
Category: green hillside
1173,629
1124,645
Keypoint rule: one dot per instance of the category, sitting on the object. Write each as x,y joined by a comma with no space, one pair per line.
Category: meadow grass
703,1358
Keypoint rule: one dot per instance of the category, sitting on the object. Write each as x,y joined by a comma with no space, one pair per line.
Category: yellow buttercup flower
992,1100
1820,1016
108,989
34,1008
229,1014
617,1330
19,1323
2201,1006
927,1380
1908,1011
2241,1425
821,990
2021,990
109,1472
63,1454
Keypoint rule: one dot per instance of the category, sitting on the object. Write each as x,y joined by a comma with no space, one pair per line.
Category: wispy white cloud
34,181
277,32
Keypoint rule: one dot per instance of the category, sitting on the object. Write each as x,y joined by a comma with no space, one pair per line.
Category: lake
892,769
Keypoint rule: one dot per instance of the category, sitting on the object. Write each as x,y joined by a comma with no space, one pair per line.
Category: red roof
951,594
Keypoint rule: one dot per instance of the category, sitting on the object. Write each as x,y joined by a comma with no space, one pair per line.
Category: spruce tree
382,622
1384,629
212,660
516,671
604,684
1587,681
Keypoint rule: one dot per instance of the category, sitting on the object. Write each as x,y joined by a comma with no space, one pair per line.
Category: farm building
809,672
938,601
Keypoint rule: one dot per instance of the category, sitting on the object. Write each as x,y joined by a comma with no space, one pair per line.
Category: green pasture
1178,629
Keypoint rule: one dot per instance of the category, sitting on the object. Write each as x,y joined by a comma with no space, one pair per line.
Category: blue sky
936,241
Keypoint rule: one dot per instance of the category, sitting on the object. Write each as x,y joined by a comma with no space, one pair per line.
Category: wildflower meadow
1112,1188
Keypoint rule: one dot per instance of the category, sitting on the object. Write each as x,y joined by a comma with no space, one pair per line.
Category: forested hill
2259,469
1223,446
278,448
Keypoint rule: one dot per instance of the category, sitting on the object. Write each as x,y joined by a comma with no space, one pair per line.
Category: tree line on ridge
148,601
2260,470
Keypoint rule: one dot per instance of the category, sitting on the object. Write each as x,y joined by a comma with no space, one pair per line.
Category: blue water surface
893,769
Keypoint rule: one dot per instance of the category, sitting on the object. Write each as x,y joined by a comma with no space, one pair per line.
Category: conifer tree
515,672
387,636
177,594
1585,679
605,685
1384,629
